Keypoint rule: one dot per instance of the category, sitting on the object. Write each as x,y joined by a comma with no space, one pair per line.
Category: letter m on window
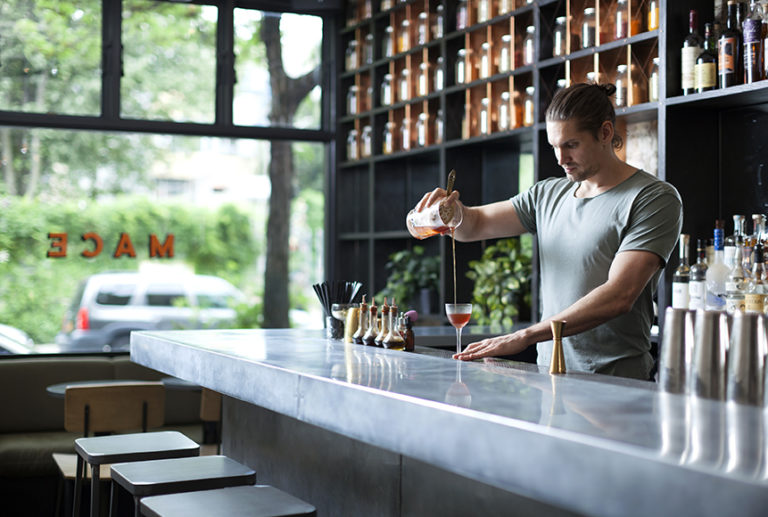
161,250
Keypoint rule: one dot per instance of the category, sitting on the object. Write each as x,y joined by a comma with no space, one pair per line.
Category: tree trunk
9,174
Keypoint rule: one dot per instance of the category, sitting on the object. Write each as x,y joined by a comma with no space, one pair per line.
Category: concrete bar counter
365,431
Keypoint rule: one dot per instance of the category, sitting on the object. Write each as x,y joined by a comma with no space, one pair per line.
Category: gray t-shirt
578,240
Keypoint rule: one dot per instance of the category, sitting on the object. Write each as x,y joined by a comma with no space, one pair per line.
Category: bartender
605,231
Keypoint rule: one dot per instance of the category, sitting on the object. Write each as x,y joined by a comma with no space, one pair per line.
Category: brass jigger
558,359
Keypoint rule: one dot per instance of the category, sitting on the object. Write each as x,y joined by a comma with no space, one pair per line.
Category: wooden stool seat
157,477
242,501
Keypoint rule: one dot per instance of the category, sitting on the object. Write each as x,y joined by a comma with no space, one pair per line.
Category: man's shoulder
647,184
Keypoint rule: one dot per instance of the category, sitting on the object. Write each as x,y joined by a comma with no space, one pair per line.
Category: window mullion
225,63
111,58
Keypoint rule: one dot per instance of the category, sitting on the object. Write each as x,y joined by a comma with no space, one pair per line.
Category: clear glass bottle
440,74
735,285
405,134
404,36
439,127
350,60
653,15
653,81
754,298
529,107
404,88
559,36
502,118
368,49
367,8
369,337
485,60
352,99
639,84
529,54
352,145
366,142
734,240
384,330
385,5
483,11
421,130
422,81
505,6
388,42
622,86
505,62
462,15
461,67
588,28
386,90
362,328
697,283
388,139
393,340
717,274
621,17
681,276
485,116
438,28
422,34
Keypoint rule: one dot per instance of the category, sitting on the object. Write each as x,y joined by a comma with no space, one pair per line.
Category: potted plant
502,293
413,279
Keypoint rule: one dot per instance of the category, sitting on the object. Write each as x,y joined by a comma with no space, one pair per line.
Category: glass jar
386,90
653,15
388,42
404,37
405,134
485,116
366,142
368,49
483,10
622,86
505,6
529,107
440,74
352,100
438,28
367,8
350,57
352,144
421,130
485,60
558,36
404,88
462,15
385,5
461,67
367,99
502,118
588,29
653,81
388,140
505,63
621,17
439,127
423,32
528,45
422,82
639,84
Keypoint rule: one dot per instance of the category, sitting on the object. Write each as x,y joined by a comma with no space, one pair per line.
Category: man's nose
562,157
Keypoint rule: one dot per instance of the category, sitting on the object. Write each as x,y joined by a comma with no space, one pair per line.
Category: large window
151,159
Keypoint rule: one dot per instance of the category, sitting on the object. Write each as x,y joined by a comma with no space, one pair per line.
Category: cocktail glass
459,315
437,219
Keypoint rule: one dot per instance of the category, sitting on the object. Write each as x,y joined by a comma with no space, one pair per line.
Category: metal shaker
710,347
676,344
745,361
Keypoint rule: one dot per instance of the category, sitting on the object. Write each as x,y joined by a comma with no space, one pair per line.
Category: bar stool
116,407
253,501
158,477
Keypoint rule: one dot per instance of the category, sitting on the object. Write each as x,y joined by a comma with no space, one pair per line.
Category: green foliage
37,289
409,272
502,277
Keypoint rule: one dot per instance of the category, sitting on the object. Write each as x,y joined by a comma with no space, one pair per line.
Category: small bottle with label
386,90
503,116
754,298
461,67
440,74
404,90
404,37
438,28
483,11
388,138
559,36
350,60
681,277
697,284
529,107
588,28
405,135
653,81
528,45
485,116
462,15
388,42
505,63
352,100
421,130
422,81
352,145
368,49
622,89
735,285
653,15
366,142
485,60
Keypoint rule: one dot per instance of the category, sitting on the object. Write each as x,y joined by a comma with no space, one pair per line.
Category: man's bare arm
629,274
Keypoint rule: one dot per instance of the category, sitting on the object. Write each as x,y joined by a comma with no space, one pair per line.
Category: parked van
108,306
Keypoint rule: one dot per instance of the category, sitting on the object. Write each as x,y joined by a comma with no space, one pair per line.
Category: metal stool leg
95,489
78,487
112,500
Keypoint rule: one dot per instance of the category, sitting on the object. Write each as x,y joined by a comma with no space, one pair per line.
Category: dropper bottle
357,337
369,337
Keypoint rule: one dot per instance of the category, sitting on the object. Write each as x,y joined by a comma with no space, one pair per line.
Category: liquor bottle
384,330
692,47
717,273
735,286
362,328
697,284
732,241
681,277
752,29
410,339
706,64
751,240
729,63
754,299
393,340
370,335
